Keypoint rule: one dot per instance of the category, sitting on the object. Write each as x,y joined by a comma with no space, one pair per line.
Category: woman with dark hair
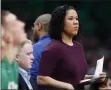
63,63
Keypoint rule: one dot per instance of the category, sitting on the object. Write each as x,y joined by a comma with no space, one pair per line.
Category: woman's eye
70,18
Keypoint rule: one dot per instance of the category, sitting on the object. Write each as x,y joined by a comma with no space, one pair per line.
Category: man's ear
39,26
8,38
17,58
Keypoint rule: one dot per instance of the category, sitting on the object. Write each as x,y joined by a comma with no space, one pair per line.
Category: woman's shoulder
78,44
54,45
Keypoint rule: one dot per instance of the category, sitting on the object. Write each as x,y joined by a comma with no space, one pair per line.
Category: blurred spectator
25,59
40,31
13,37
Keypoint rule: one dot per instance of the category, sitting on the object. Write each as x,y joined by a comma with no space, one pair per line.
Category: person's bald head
14,26
41,25
4,13
43,19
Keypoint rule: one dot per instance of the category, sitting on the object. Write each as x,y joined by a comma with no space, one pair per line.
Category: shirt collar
43,37
24,73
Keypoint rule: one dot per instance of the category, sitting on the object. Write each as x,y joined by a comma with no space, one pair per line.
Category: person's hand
88,76
102,76
70,87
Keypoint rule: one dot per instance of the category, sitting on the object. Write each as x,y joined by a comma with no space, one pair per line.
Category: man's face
6,39
16,28
36,30
26,56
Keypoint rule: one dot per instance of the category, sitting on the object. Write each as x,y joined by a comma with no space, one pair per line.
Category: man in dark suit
25,59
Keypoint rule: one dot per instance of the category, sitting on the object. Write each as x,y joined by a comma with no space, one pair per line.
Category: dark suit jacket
23,86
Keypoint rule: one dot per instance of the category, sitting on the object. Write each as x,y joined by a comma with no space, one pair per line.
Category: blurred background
95,24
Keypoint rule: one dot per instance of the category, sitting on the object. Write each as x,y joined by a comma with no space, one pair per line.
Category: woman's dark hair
56,25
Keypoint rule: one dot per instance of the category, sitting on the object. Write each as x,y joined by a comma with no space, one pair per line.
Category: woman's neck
66,39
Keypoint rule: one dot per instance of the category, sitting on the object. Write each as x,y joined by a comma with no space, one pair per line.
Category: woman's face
71,23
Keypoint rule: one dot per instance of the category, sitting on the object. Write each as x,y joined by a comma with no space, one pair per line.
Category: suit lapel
34,85
22,84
